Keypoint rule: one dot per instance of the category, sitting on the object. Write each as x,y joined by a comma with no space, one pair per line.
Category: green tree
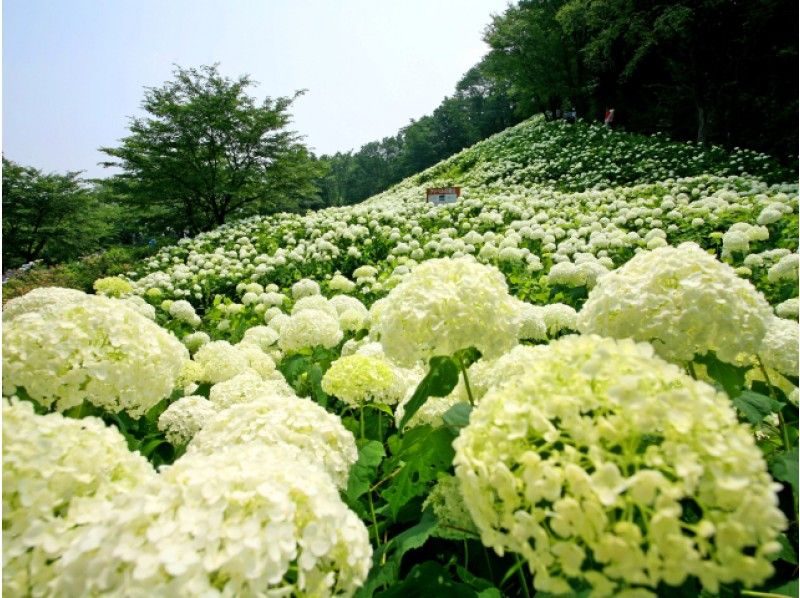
49,216
207,150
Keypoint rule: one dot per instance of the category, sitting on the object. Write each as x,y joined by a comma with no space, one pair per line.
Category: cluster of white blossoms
39,300
48,461
271,419
249,520
443,306
183,311
358,379
184,418
453,521
245,387
785,269
112,286
195,340
604,465
310,328
89,347
683,301
221,361
779,348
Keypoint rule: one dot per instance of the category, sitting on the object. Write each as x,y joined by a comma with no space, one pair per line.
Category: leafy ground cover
581,379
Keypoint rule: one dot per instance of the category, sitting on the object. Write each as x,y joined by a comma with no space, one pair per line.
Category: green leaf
728,376
315,375
458,415
149,447
440,381
791,588
362,474
293,366
423,453
787,552
754,406
429,579
386,574
784,468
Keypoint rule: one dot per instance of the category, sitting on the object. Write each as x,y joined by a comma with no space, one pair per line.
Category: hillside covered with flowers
580,379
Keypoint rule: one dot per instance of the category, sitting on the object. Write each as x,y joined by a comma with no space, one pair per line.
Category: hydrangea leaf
423,453
440,381
754,406
362,474
784,468
458,415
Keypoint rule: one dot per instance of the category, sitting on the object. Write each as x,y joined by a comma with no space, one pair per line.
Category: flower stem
466,380
690,367
374,520
784,432
522,580
362,423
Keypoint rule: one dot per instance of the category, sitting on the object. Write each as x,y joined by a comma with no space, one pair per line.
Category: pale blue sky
74,70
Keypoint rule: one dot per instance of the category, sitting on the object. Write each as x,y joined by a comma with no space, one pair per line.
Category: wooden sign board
440,196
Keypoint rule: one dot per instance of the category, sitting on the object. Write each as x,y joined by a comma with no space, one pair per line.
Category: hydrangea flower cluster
605,466
443,306
112,286
270,419
39,299
92,348
779,349
183,311
237,522
358,379
683,301
48,462
309,328
184,418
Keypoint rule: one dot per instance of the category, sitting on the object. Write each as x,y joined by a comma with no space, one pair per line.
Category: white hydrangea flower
273,419
779,348
39,299
358,379
263,336
584,465
246,520
184,418
341,283
443,306
258,360
221,361
49,461
184,311
682,300
453,521
246,387
788,309
92,348
559,317
530,322
317,302
309,328
195,340
304,288
785,269
140,305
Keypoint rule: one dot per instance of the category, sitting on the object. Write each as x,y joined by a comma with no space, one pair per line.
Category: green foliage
440,380
206,151
417,458
51,217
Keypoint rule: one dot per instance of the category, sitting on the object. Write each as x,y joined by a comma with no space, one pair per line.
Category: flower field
581,379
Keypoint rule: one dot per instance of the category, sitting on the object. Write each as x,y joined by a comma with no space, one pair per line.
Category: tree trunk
702,124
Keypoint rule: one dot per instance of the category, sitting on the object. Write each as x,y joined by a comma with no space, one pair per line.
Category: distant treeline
711,71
